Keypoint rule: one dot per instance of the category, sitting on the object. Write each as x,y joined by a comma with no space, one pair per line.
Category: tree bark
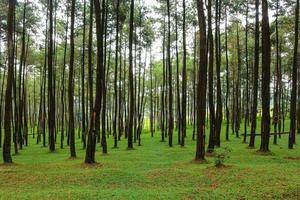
266,62
170,106
71,85
130,78
294,82
51,96
9,84
255,77
184,88
201,88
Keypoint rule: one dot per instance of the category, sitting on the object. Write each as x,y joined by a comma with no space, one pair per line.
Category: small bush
221,155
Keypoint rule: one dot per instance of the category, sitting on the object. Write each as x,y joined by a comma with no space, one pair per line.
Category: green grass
153,171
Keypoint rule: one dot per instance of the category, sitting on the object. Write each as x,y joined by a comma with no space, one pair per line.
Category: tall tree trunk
20,97
227,78
184,88
211,142
247,77
83,121
91,145
276,115
201,88
266,62
1,99
90,58
130,78
294,82
152,113
219,114
103,134
51,97
238,87
9,84
163,88
178,110
71,85
170,106
116,107
1,94
255,77
63,84
194,85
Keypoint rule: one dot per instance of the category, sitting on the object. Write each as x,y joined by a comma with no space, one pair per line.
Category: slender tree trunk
1,99
1,94
116,107
163,88
63,85
71,85
294,82
83,121
152,113
184,87
51,97
103,135
227,78
178,106
277,77
194,85
211,142
255,77
247,77
238,87
219,114
130,78
170,106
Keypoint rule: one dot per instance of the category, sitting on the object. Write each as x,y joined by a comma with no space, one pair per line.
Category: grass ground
153,171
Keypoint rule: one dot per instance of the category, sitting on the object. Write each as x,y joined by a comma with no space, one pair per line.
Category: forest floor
153,171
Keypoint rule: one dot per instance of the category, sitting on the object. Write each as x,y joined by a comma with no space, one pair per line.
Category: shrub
221,155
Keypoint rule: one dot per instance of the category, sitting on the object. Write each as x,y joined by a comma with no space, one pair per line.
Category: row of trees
205,73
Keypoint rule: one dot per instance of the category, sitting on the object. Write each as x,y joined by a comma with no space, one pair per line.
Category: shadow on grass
95,165
264,153
194,161
292,158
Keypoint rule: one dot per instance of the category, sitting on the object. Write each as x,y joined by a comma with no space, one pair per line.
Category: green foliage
221,155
